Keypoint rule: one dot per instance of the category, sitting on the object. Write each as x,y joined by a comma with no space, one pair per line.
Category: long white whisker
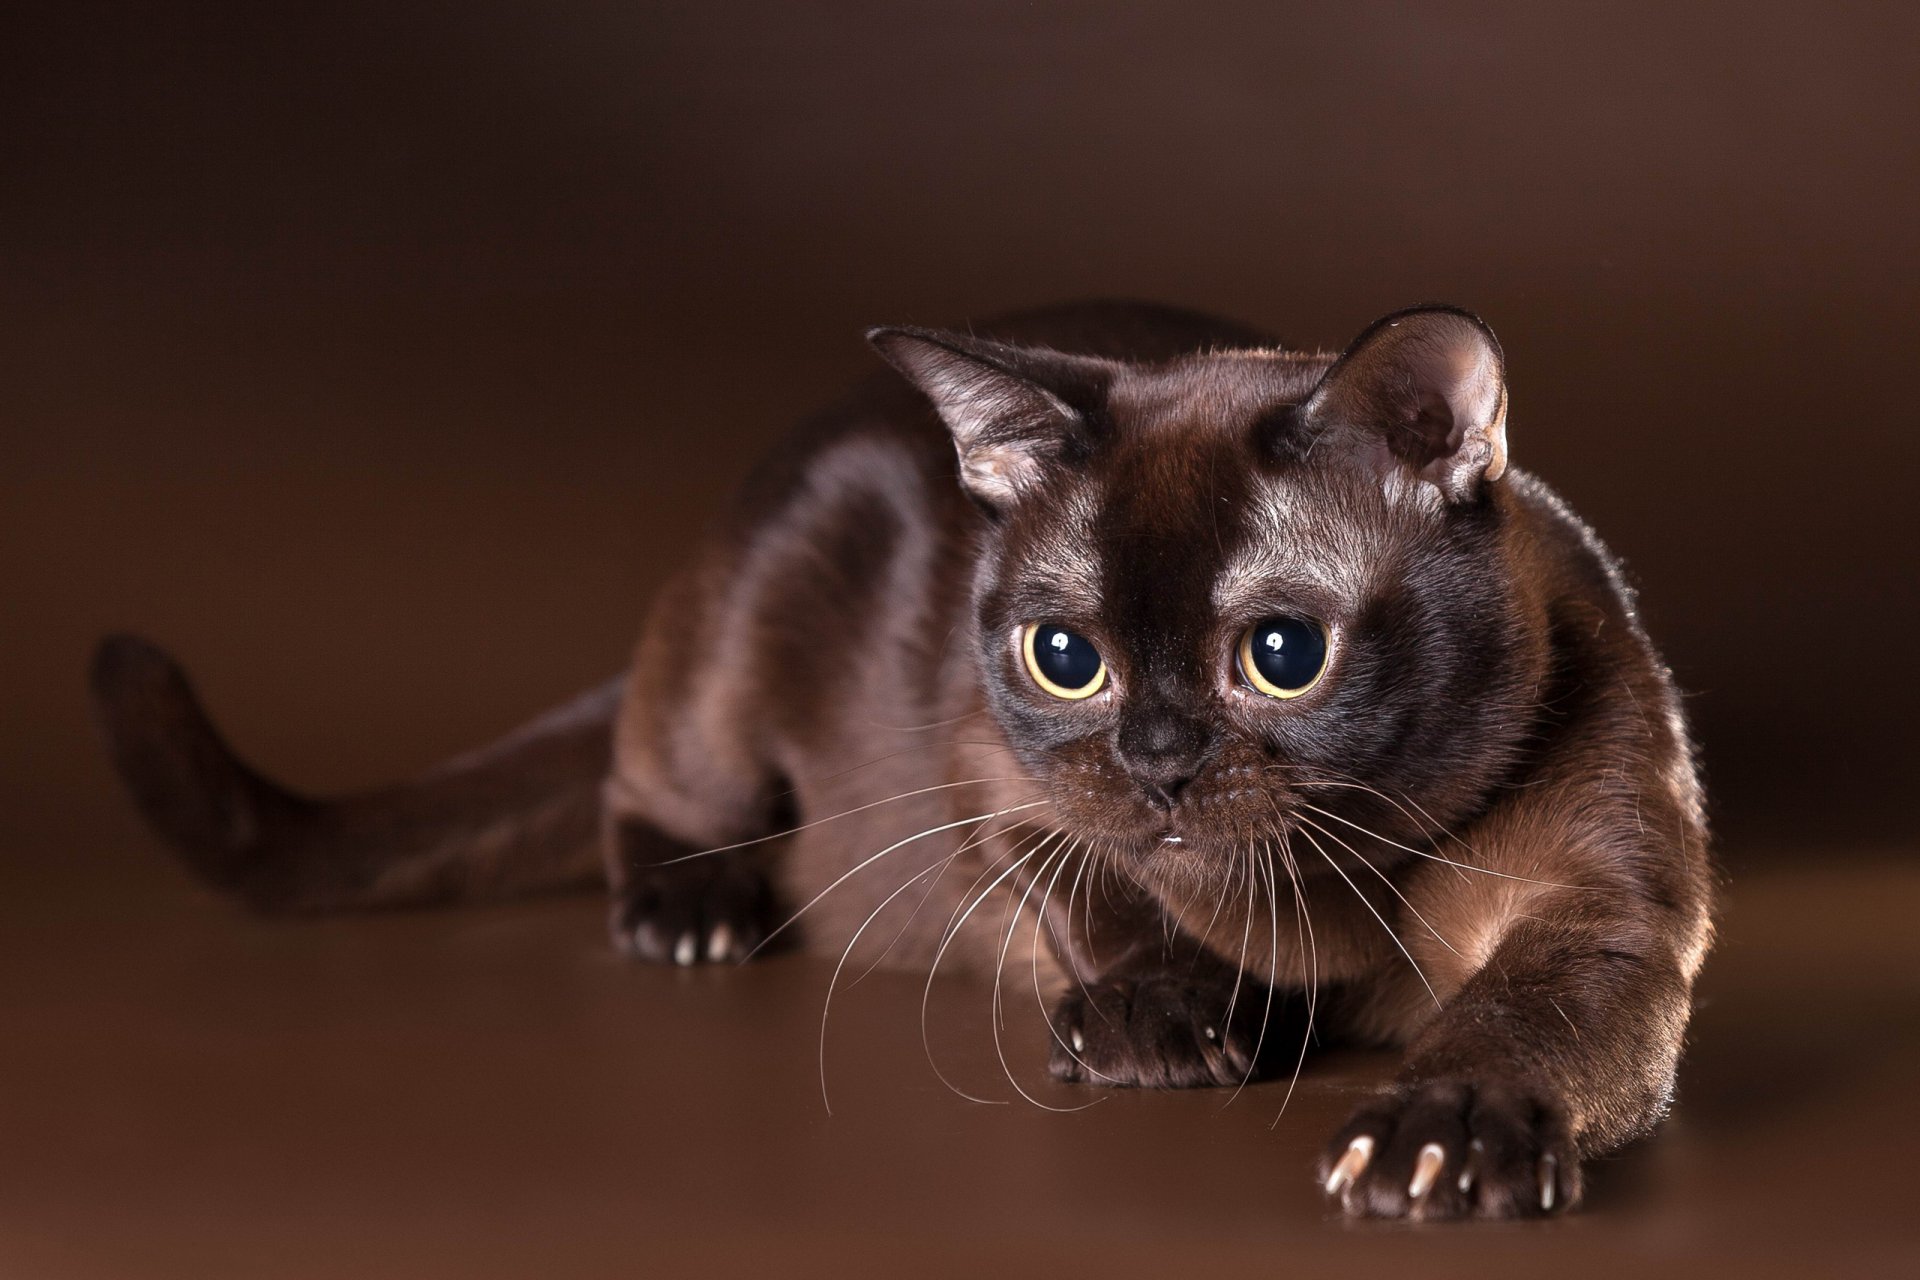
926,996
865,863
1240,965
1364,901
1085,859
826,1006
1422,853
1386,880
978,836
999,970
1219,902
1265,865
1303,925
1425,853
1033,961
834,817
1353,783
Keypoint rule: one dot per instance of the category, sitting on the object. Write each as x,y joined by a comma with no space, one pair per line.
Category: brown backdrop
381,358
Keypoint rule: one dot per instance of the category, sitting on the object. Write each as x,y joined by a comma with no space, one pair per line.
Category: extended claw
687,950
720,943
1426,1170
1352,1164
1474,1149
1548,1166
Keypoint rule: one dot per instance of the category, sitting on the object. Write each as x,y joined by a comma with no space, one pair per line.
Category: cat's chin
1168,857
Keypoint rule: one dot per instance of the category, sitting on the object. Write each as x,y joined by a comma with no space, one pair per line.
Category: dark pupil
1065,658
1288,652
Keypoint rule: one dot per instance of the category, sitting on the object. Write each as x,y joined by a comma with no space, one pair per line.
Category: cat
1255,682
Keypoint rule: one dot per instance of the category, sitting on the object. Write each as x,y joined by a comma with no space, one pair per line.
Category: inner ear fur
1423,390
1010,410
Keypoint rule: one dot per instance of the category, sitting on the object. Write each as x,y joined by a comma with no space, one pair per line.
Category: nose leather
1162,749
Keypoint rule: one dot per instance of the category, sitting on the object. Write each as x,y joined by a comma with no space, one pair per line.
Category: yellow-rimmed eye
1062,662
1283,657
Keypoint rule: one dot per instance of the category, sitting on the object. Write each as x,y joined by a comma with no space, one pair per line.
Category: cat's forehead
1225,390
1184,515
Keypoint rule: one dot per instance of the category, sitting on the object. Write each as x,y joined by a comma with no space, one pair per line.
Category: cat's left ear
1421,391
1013,411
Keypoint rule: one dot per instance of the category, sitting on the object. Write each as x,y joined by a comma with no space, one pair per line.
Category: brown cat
1254,681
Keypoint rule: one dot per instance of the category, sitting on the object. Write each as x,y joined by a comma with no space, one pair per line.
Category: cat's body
1474,830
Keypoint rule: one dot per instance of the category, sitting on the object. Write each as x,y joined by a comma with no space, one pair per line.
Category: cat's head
1240,593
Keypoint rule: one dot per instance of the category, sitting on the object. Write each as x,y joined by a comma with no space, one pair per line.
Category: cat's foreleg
1565,996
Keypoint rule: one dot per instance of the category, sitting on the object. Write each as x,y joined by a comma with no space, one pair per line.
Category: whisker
908,750
1377,916
1303,924
834,817
1386,880
934,724
1259,863
1356,784
1085,859
826,1006
926,995
1219,902
999,970
1033,961
978,836
867,862
1240,965
1420,853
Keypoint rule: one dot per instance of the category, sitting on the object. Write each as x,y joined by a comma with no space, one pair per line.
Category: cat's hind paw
707,910
1453,1149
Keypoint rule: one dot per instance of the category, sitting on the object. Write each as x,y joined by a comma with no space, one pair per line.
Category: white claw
1351,1165
1548,1165
1079,1041
720,943
1474,1150
1212,1034
1426,1170
687,950
646,940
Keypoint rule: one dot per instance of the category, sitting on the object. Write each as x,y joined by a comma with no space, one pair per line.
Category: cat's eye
1062,662
1283,657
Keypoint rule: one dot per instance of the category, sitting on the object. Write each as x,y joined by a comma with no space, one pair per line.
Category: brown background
382,358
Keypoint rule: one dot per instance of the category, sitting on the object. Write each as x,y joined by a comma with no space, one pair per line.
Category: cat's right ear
1011,410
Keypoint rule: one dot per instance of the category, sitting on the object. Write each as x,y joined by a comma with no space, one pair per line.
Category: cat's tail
519,816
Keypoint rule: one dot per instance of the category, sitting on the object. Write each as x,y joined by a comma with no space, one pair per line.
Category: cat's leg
1565,996
1146,1005
689,805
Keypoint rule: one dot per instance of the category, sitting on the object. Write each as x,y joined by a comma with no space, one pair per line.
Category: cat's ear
1421,391
1010,409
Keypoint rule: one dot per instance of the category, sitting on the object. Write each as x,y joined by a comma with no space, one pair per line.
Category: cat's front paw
1453,1149
1162,1031
715,909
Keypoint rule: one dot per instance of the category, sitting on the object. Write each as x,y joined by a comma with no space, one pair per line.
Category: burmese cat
1273,647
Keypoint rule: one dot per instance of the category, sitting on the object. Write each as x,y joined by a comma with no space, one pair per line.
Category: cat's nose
1162,751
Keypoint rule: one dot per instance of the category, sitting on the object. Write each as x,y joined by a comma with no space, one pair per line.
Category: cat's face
1238,595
